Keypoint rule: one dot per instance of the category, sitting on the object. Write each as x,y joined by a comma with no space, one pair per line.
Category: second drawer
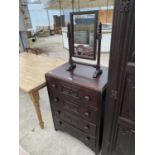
75,107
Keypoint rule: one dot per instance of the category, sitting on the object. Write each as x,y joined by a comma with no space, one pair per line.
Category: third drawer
85,126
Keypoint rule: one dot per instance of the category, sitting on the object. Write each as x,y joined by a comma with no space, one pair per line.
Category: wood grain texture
35,99
81,76
32,69
76,100
119,116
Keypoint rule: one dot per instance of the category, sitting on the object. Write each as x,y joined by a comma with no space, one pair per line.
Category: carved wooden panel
125,141
128,99
118,132
124,5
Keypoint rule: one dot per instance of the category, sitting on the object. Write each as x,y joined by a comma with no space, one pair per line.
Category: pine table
32,69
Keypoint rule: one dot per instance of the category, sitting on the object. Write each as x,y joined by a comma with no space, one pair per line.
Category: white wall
39,15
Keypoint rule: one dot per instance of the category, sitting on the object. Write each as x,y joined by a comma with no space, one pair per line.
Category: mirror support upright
72,65
99,37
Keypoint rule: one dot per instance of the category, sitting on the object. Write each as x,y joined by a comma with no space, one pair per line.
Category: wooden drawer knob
53,85
87,98
60,122
70,92
86,127
56,99
87,138
58,112
86,114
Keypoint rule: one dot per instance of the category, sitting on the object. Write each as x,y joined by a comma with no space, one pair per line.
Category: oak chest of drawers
77,102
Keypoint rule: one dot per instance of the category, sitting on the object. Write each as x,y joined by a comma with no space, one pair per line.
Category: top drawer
70,90
83,94
90,97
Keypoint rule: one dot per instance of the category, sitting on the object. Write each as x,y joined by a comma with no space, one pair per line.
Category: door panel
119,116
124,142
128,94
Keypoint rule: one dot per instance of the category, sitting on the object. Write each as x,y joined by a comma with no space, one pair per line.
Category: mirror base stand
97,73
71,67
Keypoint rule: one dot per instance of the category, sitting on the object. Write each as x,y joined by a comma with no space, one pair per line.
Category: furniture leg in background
34,95
32,69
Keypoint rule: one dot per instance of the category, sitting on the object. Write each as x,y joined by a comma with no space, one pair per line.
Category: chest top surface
81,76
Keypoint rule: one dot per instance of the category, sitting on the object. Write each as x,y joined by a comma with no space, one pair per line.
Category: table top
32,69
81,75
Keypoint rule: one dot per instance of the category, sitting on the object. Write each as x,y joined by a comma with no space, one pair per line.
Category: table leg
35,99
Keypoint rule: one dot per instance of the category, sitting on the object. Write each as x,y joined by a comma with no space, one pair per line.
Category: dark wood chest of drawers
77,102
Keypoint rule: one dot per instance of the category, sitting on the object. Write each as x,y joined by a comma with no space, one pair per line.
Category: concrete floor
47,141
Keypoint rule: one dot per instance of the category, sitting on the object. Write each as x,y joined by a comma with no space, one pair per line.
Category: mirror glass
84,31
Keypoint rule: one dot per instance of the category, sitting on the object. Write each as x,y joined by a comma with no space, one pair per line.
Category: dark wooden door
123,134
119,118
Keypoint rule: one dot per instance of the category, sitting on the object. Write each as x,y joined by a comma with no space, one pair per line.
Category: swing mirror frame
95,25
97,44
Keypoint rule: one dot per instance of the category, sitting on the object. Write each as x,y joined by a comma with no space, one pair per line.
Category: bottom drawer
85,126
63,126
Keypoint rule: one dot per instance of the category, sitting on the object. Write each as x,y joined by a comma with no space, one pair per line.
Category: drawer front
70,90
77,122
85,95
89,114
71,106
56,100
90,97
63,126
57,111
81,110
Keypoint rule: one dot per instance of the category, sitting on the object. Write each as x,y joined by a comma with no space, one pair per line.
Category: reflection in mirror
84,32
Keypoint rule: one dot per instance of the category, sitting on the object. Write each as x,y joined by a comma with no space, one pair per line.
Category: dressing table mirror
84,35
